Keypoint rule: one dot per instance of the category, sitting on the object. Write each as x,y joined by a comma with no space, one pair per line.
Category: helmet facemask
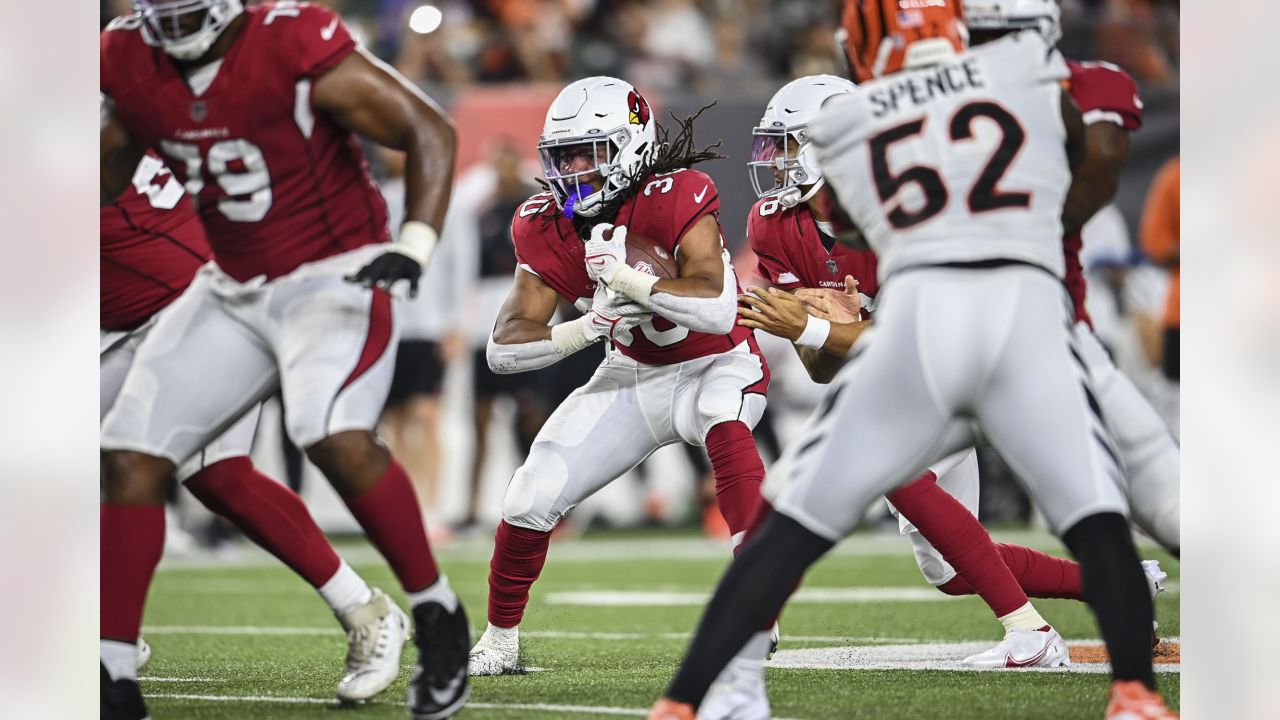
573,195
186,29
781,165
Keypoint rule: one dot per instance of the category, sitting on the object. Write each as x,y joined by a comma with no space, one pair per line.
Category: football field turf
608,621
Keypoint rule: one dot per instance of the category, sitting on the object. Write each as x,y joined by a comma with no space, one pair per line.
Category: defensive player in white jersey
1109,103
798,253
954,166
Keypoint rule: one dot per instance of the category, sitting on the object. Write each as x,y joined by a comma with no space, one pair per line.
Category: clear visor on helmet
577,167
173,21
774,165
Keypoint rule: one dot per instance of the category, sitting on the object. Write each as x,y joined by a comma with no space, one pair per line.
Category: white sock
438,592
120,659
346,590
757,648
503,635
1024,618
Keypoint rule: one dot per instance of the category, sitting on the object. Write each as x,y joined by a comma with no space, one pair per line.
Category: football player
255,110
678,367
954,166
1109,103
152,246
797,251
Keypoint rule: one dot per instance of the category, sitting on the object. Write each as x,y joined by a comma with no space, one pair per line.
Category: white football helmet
608,121
187,39
776,170
1043,16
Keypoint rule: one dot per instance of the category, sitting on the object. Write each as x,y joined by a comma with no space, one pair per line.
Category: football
646,255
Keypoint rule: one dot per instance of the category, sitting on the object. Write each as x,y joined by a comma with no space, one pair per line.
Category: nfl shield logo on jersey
832,267
199,111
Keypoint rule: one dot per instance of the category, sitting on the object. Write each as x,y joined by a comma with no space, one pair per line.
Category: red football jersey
791,253
152,243
664,210
1105,93
277,184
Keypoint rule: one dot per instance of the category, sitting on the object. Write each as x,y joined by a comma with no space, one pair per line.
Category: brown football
648,256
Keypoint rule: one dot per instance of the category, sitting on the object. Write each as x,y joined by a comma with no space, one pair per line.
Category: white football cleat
496,653
1024,648
376,634
738,694
144,653
1155,577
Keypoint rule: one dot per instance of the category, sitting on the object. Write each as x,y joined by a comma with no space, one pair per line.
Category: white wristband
570,337
634,284
815,333
417,242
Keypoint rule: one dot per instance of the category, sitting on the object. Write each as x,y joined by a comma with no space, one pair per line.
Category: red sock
1042,575
390,517
738,470
518,556
132,539
961,540
270,514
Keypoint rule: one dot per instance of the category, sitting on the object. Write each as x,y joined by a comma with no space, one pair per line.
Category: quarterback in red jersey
798,251
652,278
1111,110
255,110
152,245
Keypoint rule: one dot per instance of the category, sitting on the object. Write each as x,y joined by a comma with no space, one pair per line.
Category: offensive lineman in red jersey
678,369
798,252
255,110
152,246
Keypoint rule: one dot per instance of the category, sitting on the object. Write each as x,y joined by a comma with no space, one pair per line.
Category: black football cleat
121,699
438,687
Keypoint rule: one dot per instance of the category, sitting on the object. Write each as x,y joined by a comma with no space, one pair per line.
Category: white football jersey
959,162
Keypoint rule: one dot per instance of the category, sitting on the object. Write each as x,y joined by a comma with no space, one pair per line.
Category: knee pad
535,496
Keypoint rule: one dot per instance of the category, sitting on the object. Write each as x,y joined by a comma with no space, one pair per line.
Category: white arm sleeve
567,338
714,316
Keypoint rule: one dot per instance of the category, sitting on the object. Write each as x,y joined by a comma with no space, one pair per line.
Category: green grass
616,673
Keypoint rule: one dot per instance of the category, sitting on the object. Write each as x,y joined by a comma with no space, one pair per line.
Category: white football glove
604,257
613,315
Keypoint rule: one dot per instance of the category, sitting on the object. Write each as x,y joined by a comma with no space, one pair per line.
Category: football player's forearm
714,314
523,345
824,363
429,165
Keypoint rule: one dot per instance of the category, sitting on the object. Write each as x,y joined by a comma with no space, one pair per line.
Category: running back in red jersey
277,184
152,244
658,216
1104,93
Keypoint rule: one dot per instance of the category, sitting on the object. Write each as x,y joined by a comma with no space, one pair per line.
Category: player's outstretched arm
368,97
700,299
119,154
522,340
1079,205
821,343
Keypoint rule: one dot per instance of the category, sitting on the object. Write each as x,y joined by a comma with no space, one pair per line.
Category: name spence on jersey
922,87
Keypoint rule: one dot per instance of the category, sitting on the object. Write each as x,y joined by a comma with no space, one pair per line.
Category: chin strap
792,196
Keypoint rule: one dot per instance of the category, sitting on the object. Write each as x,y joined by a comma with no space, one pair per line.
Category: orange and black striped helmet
884,36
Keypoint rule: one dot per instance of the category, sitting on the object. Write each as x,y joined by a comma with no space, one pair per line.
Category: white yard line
815,595
548,634
932,656
531,707
178,679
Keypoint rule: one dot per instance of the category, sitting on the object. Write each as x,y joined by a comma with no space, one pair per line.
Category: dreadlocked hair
668,155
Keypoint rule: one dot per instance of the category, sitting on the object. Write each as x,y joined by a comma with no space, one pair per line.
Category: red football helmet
884,36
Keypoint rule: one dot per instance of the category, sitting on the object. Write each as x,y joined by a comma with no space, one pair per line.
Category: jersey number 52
984,195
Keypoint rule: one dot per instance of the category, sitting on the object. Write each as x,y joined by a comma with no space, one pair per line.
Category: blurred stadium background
496,64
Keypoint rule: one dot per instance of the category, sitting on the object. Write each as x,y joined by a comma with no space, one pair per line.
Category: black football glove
386,270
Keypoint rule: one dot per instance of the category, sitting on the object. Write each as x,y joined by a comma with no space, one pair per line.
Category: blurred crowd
700,45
